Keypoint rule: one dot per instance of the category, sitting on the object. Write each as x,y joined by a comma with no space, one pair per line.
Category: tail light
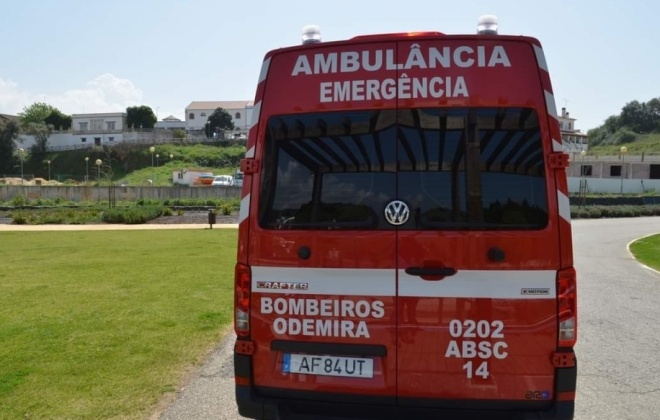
567,307
242,285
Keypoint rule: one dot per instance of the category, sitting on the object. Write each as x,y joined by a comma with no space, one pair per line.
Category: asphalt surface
618,346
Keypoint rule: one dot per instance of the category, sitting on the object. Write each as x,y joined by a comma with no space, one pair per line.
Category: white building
572,138
98,129
198,113
171,123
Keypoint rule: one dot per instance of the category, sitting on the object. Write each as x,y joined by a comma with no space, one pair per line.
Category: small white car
237,180
222,180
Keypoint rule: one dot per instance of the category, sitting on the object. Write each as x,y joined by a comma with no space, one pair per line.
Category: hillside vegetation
637,128
131,164
647,144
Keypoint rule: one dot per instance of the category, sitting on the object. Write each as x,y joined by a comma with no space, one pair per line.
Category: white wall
609,185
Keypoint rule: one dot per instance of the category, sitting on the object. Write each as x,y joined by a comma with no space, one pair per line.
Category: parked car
238,179
204,179
222,180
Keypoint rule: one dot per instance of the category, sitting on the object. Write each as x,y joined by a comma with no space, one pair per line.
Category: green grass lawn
101,324
647,251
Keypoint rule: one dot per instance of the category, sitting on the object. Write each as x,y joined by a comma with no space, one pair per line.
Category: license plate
349,367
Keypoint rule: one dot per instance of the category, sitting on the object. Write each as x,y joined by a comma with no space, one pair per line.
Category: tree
140,117
8,133
41,132
58,120
36,113
220,120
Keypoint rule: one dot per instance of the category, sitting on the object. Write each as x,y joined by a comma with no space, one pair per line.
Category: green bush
132,215
18,200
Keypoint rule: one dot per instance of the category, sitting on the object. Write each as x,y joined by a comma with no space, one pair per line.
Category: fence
92,193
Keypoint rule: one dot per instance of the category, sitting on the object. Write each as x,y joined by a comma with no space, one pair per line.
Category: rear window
457,169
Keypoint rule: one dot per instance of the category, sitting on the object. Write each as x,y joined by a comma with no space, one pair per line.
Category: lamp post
48,162
208,129
86,168
21,154
623,150
583,169
157,156
98,176
152,150
98,169
171,157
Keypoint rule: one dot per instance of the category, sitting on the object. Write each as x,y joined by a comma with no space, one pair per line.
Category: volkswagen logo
397,212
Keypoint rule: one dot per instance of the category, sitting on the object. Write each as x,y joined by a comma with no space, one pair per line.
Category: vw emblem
397,212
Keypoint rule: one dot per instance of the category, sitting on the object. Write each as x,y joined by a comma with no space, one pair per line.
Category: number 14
482,370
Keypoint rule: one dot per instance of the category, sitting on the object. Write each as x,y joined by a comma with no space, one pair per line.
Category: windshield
457,169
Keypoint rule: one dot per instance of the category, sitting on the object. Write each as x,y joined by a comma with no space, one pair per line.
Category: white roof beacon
311,34
487,25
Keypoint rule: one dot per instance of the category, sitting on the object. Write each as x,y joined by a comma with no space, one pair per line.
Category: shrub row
596,212
132,215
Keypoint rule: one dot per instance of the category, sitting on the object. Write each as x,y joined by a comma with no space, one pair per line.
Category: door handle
423,271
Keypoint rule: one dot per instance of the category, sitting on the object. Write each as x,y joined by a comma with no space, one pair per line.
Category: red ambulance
405,238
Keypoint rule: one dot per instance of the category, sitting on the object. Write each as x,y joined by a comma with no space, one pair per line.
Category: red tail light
242,285
567,307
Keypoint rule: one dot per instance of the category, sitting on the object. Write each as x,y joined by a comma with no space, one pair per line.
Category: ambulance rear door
477,258
323,259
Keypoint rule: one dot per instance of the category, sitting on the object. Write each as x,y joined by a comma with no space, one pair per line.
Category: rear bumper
254,406
280,404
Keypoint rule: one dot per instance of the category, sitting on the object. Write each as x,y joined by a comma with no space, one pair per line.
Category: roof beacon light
311,34
487,25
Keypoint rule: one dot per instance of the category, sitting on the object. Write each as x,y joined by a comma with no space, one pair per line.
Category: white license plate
350,367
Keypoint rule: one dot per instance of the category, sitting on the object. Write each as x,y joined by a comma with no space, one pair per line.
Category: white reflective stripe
556,146
264,70
540,58
325,281
495,284
250,153
550,104
256,110
564,206
244,212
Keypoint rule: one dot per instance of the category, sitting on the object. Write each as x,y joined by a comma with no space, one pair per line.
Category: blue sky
102,56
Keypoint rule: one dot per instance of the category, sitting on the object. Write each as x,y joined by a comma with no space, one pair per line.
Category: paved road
618,345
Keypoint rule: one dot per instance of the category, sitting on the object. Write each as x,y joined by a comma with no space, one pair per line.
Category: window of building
82,126
83,139
97,124
97,141
570,126
238,115
111,139
203,114
179,175
191,116
585,170
615,170
111,125
654,172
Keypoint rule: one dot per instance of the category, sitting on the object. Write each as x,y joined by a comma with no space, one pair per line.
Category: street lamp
98,176
208,129
152,150
171,157
21,154
623,150
86,168
157,156
48,162
583,169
